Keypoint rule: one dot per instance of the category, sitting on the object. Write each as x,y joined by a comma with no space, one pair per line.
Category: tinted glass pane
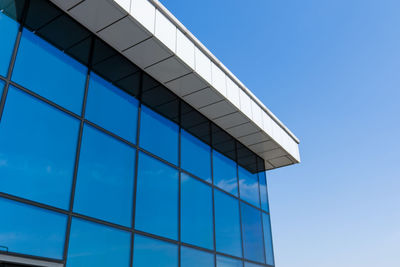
159,135
9,30
248,185
225,175
228,262
37,150
227,224
195,156
252,233
112,108
263,191
248,264
196,258
157,198
196,212
269,252
30,230
93,244
47,71
152,252
104,186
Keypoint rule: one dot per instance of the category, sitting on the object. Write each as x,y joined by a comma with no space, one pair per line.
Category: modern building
125,142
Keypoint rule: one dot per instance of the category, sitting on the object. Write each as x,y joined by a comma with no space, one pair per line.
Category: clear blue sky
330,70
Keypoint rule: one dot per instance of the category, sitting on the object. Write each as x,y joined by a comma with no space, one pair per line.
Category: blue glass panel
112,108
196,213
9,31
248,264
37,150
269,252
93,244
225,175
104,186
228,262
195,156
152,252
196,258
157,198
253,244
263,191
248,185
47,71
227,224
30,230
159,135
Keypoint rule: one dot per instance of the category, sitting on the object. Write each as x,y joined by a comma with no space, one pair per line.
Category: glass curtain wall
96,170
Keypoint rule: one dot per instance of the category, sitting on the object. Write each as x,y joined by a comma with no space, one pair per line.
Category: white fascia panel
144,12
185,49
245,104
203,65
218,78
232,92
257,114
165,31
125,4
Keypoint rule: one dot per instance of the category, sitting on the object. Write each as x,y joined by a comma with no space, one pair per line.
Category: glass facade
113,175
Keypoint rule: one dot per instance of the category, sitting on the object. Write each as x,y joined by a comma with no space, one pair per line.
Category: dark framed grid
83,121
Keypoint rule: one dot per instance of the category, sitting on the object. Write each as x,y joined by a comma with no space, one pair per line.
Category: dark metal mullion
136,167
261,213
13,58
212,191
77,156
179,186
239,204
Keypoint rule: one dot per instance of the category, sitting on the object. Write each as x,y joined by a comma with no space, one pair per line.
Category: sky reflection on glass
225,173
37,150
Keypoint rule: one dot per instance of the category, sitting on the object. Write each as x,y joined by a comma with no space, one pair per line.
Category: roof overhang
147,34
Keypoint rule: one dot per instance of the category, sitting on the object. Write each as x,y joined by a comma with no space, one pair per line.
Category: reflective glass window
253,244
159,135
248,185
263,191
31,230
104,186
9,31
1,88
195,156
248,264
152,252
227,224
111,108
228,262
196,212
47,71
224,173
92,244
196,258
37,150
269,252
157,198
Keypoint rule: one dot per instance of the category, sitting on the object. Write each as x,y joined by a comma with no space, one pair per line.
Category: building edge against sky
82,157
146,33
